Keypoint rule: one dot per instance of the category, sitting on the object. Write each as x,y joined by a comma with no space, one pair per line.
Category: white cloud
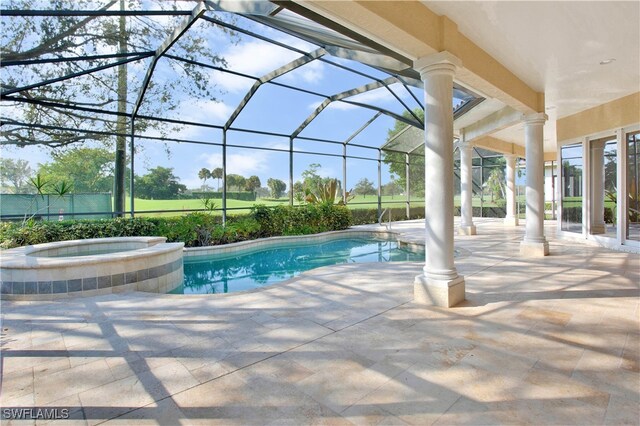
312,72
249,162
203,111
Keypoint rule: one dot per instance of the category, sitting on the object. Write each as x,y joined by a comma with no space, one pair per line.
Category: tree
364,187
391,188
87,169
204,174
235,182
217,174
298,192
28,39
277,187
159,184
495,184
252,184
397,160
16,172
310,177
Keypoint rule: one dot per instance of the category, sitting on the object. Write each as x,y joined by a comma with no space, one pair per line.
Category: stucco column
534,244
466,191
597,187
439,284
511,219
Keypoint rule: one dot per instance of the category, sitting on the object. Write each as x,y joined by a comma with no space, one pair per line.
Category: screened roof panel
303,145
170,131
331,124
388,98
365,70
275,34
375,134
290,112
318,76
209,74
248,139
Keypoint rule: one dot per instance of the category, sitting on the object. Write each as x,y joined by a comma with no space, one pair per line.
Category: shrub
194,229
366,216
307,219
33,232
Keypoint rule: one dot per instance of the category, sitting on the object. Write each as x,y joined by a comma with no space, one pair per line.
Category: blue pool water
248,270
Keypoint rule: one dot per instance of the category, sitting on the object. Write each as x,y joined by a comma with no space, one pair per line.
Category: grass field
141,206
240,207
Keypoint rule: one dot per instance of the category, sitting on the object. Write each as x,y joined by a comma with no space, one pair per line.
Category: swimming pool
258,268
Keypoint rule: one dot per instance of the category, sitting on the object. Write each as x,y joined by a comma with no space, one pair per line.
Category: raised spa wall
70,268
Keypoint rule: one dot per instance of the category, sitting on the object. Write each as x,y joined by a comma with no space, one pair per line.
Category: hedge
194,229
574,215
366,216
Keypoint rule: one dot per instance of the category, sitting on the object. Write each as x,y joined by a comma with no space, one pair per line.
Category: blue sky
273,109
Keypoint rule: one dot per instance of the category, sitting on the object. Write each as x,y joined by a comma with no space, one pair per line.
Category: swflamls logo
35,413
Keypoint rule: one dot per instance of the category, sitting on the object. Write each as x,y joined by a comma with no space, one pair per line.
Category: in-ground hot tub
90,267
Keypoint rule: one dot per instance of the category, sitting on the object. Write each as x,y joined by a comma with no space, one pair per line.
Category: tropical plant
41,185
327,193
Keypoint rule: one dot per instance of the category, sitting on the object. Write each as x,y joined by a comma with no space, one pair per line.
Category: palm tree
217,174
204,174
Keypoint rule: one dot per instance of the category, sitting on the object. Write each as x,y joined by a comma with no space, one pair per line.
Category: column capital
511,156
537,118
441,63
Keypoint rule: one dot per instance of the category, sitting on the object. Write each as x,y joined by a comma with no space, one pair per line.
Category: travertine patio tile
411,398
76,415
72,381
369,414
544,341
15,385
18,359
466,411
124,395
163,412
621,411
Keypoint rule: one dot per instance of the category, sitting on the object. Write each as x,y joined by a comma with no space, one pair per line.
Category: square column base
598,228
446,293
529,249
511,221
467,230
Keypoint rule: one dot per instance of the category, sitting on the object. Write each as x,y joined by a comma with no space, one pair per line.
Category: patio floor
542,341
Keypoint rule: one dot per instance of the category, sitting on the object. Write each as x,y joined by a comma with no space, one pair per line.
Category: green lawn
370,201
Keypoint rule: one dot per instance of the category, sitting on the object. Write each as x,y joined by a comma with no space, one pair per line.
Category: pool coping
24,258
147,264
